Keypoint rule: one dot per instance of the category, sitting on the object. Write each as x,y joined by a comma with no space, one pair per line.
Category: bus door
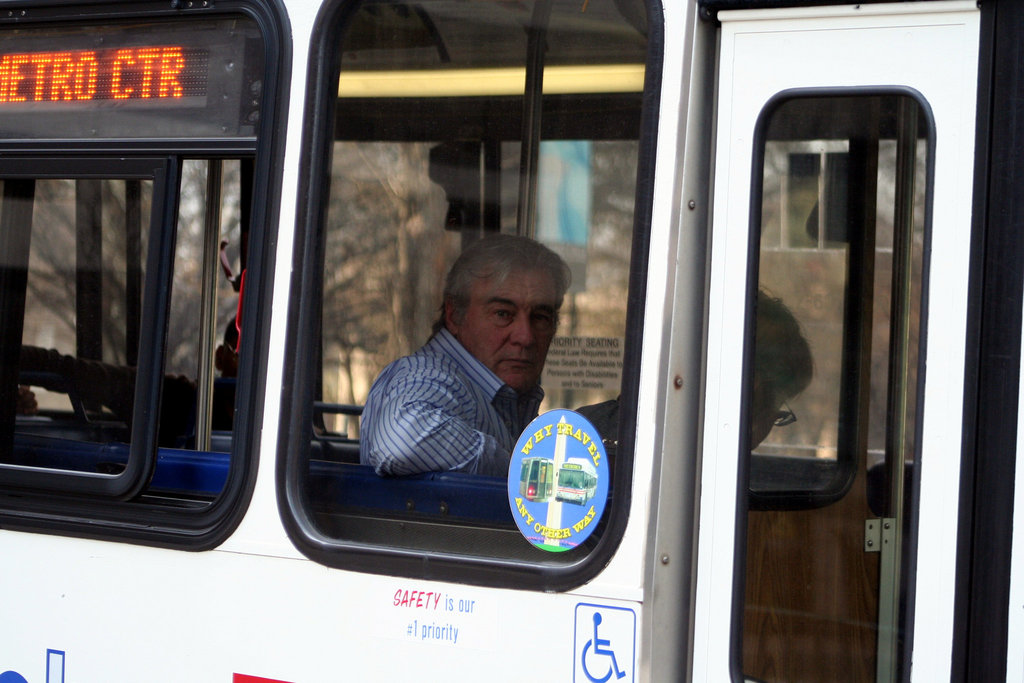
836,324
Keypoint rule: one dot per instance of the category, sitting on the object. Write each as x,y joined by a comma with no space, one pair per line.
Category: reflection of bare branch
52,278
387,254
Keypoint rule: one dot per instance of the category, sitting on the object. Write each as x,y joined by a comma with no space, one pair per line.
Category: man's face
509,326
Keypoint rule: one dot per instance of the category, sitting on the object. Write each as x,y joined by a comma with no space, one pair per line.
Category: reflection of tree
186,300
52,284
51,311
385,248
602,305
387,254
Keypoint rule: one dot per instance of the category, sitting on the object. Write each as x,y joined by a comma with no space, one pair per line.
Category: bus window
436,143
840,275
126,208
72,240
77,376
209,259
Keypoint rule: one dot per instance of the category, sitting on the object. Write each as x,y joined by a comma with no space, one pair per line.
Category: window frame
164,173
297,411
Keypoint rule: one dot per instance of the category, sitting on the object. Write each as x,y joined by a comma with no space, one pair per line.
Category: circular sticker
558,480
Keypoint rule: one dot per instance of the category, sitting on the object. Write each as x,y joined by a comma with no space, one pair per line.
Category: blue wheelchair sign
54,670
605,644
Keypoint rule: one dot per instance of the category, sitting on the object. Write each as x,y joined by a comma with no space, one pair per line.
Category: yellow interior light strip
558,80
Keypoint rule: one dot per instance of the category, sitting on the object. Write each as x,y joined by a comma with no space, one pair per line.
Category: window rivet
678,382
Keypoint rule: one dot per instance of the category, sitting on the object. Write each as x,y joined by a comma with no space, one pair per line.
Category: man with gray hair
461,401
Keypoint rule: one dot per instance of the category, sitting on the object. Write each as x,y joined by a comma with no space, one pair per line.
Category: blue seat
334,486
437,496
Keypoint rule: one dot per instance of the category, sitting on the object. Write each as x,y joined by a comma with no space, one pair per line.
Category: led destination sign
168,79
164,73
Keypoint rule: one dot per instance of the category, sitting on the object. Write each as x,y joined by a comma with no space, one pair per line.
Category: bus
794,325
577,482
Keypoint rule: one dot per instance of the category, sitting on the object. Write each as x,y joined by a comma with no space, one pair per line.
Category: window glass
75,286
440,139
77,367
832,392
208,263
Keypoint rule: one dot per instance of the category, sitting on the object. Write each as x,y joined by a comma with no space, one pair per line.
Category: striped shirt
442,409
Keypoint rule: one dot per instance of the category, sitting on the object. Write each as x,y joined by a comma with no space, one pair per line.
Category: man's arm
94,382
426,422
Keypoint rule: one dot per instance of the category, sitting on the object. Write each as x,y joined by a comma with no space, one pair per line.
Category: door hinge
878,533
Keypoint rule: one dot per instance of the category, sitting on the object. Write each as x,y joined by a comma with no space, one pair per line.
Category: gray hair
495,258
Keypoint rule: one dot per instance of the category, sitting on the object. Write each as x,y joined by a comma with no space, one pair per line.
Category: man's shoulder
604,416
421,362
431,362
441,361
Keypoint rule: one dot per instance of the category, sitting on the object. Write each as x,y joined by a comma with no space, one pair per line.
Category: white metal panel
261,530
674,311
932,48
361,630
1015,625
120,612
125,613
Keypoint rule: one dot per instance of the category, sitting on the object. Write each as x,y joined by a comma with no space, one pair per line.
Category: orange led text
77,75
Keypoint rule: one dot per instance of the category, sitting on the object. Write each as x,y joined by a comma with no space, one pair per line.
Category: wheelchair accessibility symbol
605,644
